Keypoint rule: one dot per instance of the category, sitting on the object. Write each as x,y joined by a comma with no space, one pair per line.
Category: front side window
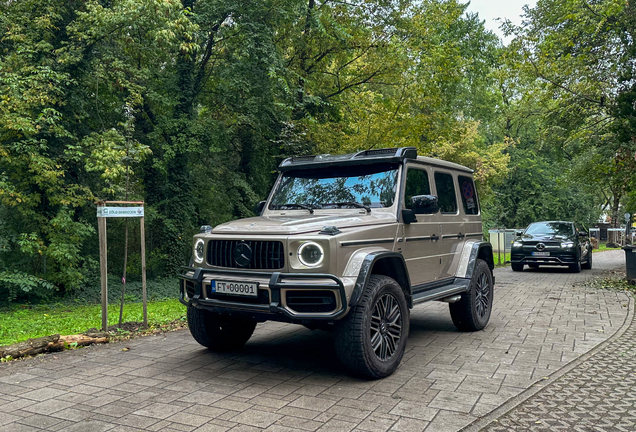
416,184
337,187
446,192
469,195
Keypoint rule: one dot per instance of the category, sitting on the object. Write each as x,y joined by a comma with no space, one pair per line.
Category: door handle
460,235
434,237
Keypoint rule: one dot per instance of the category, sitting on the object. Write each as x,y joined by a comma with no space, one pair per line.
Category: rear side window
469,195
416,184
446,192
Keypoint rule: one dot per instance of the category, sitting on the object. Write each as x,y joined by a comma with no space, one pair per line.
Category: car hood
289,225
546,237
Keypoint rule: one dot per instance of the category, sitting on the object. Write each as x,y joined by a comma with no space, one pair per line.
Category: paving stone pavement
287,377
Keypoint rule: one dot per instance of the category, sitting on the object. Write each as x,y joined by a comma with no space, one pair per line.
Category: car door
451,223
419,242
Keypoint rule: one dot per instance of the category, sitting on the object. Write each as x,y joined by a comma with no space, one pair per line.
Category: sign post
104,211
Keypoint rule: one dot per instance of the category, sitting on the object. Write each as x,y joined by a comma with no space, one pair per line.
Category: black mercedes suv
552,243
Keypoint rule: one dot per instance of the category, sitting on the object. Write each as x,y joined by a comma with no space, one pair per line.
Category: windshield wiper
350,203
302,206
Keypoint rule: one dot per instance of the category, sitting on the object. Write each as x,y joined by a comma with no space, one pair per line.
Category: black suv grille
547,243
266,255
311,301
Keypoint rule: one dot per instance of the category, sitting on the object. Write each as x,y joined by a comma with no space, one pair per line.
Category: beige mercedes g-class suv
348,243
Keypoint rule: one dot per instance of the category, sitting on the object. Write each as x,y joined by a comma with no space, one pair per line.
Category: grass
20,322
505,258
603,247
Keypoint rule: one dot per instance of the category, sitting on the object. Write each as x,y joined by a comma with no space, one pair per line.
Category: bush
13,284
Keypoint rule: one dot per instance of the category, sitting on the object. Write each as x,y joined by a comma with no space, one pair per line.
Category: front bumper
290,297
555,258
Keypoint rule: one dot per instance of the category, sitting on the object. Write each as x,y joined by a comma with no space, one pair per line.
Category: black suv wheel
576,267
219,332
516,266
588,264
371,339
472,312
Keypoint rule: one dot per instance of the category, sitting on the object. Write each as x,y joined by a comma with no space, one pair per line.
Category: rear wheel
516,266
219,332
370,341
472,312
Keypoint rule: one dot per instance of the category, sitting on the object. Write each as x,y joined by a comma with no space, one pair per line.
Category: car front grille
547,244
311,301
266,255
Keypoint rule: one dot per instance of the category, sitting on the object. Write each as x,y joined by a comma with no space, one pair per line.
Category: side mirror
258,208
519,233
408,216
424,204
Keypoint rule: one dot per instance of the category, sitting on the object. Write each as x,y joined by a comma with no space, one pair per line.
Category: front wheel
588,264
516,266
576,267
219,332
370,341
472,312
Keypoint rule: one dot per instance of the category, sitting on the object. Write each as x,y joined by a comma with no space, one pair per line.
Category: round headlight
310,254
198,250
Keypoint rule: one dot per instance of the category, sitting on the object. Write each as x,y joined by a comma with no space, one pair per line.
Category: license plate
541,253
234,288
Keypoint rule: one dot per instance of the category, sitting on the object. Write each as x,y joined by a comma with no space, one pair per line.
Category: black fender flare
472,252
366,270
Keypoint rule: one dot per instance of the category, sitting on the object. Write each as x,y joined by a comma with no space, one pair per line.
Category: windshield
551,228
372,186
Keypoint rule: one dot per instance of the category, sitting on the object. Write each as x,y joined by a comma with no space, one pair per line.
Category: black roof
397,154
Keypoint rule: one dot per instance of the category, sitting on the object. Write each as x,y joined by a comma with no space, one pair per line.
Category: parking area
287,377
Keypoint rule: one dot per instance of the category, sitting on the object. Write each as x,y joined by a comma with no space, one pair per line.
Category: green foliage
14,282
189,105
573,64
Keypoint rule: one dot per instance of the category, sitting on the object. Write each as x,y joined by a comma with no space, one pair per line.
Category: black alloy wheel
371,339
473,311
385,330
482,296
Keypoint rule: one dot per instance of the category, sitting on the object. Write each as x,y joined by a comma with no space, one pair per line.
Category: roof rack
397,154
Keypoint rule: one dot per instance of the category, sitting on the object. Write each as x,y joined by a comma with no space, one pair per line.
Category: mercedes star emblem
242,254
540,247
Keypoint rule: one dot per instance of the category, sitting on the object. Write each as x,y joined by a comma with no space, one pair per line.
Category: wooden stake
143,271
103,266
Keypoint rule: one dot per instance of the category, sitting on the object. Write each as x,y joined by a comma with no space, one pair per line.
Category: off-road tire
516,266
353,333
576,267
219,332
588,263
473,311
